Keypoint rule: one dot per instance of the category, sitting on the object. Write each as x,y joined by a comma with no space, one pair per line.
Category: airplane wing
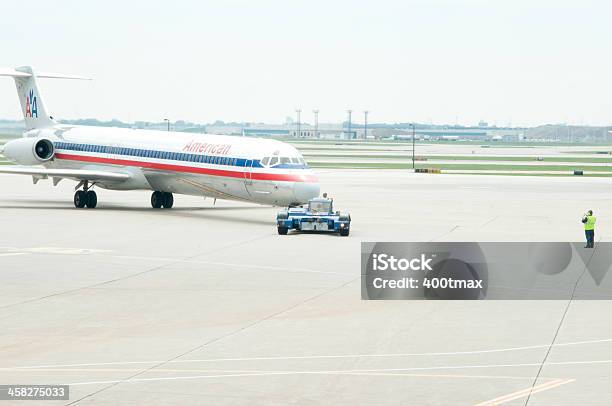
76,174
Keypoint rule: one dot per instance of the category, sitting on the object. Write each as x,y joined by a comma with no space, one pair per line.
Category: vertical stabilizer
33,108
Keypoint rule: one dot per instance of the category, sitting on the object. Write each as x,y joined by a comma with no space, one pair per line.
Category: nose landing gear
162,199
86,197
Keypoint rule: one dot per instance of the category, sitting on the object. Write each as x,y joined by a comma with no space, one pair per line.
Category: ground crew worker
589,228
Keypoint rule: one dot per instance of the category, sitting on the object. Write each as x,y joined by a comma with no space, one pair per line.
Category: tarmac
206,304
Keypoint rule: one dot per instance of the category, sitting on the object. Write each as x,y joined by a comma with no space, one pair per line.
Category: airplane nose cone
304,191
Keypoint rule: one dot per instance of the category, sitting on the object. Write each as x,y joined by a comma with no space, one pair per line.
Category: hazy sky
518,62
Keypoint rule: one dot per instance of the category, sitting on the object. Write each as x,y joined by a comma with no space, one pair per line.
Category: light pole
299,124
412,125
350,112
365,125
316,114
167,121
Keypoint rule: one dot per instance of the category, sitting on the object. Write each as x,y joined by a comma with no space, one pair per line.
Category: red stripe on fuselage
283,177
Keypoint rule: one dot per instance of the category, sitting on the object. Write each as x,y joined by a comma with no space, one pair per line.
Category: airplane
263,171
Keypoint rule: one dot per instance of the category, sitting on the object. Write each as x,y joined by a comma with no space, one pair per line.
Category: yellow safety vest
590,223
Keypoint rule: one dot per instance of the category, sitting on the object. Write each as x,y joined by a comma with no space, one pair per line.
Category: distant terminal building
340,132
325,133
279,132
463,134
305,133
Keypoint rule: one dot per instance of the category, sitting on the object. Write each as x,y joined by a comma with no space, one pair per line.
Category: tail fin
33,108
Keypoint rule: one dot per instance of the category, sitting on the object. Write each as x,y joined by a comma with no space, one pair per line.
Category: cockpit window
283,160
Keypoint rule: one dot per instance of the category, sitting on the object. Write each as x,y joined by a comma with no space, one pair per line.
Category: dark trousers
590,236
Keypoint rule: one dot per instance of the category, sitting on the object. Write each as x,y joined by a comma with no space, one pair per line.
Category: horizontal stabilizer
50,75
76,174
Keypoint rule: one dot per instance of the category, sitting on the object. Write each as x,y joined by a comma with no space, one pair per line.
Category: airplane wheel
91,199
282,230
157,199
79,199
345,232
168,200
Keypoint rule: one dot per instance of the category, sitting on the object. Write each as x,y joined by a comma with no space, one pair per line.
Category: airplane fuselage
259,170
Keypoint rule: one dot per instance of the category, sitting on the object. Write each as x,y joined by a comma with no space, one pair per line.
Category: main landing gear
162,199
86,197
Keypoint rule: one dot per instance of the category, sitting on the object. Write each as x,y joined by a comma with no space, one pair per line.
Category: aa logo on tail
31,107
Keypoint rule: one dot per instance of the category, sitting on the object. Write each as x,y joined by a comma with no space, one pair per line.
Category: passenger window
274,161
295,161
284,160
265,161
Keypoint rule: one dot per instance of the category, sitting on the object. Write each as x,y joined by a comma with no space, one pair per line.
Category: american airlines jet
221,167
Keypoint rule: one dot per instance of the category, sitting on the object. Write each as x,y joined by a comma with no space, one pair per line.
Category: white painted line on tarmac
10,254
367,372
174,378
85,251
232,371
226,264
330,372
422,354
55,250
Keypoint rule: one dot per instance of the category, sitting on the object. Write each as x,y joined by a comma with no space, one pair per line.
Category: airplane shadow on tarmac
202,213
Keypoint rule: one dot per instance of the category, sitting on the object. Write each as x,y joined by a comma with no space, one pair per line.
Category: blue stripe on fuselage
170,155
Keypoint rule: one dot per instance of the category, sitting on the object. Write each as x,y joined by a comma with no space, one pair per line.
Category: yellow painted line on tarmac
525,392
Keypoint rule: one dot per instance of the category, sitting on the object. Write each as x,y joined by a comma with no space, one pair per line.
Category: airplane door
248,174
